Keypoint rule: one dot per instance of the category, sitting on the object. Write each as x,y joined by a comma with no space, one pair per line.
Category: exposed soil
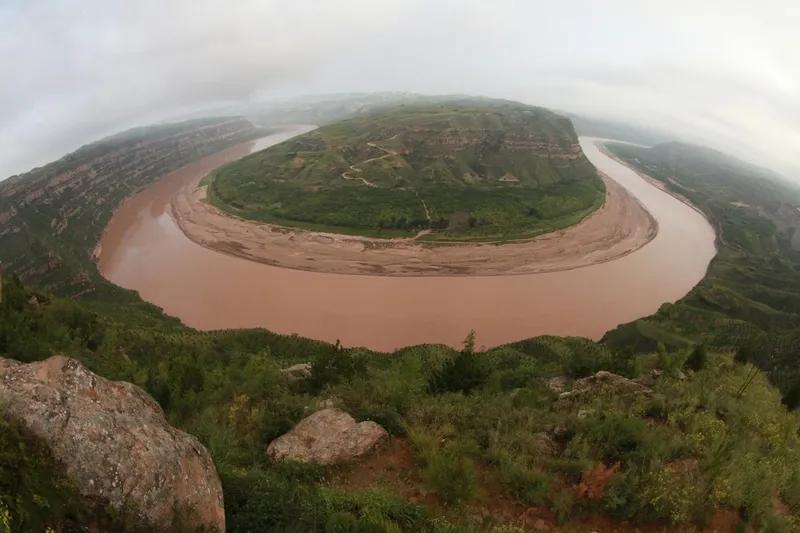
620,226
393,468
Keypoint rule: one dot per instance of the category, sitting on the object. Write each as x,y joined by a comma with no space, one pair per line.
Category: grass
471,416
404,153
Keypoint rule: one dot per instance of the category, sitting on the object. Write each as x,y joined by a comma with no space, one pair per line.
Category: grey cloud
723,73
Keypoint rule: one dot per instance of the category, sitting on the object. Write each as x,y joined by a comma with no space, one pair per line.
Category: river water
143,249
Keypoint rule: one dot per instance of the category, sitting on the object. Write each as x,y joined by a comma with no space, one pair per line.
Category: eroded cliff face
508,141
115,446
56,213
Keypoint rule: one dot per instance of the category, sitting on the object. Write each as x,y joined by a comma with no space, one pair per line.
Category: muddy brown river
143,249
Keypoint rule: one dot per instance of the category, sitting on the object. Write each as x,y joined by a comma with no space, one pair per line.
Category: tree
792,398
698,358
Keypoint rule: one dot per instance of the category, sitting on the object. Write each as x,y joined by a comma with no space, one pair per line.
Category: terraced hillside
456,170
52,217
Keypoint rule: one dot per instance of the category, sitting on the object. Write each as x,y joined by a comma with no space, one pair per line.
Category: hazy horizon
726,75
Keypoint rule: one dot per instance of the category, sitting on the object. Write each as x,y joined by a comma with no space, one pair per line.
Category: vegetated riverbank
751,294
52,217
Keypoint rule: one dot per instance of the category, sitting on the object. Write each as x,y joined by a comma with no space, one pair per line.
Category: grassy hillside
51,218
481,441
750,299
467,170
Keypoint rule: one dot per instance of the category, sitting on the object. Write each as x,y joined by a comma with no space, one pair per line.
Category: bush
523,483
280,499
452,477
336,365
697,359
618,436
371,511
462,373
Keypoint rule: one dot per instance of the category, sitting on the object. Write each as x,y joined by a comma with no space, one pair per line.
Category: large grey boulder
115,446
326,437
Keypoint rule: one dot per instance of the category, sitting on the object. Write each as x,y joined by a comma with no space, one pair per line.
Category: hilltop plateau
457,170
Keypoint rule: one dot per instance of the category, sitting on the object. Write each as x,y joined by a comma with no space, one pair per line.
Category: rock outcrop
604,382
298,372
115,445
327,437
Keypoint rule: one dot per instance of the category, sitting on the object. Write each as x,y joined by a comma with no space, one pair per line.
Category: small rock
327,403
297,372
604,382
327,437
557,384
650,379
540,525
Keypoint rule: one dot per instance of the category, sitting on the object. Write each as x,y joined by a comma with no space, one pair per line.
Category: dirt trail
354,168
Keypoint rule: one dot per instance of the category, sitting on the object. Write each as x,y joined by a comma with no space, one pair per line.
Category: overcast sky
723,73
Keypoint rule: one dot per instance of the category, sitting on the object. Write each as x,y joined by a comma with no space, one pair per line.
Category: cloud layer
726,74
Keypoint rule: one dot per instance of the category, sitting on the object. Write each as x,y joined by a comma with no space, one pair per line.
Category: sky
725,74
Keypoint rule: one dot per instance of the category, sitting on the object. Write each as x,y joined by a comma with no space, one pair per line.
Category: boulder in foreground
115,446
328,436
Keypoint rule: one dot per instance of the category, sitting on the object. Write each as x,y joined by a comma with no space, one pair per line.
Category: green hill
470,169
490,444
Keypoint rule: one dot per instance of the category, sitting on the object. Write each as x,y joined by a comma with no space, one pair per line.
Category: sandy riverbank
620,226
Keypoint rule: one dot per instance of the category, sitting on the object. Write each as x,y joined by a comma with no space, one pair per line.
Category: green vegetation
31,488
750,299
482,426
485,430
466,170
52,217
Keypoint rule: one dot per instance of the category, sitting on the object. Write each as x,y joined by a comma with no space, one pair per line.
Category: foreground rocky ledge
115,445
620,226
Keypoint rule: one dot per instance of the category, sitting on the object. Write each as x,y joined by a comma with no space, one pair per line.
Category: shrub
792,398
276,500
371,511
523,483
697,358
617,435
462,373
452,477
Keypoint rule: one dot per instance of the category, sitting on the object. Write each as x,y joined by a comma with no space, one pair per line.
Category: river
143,249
